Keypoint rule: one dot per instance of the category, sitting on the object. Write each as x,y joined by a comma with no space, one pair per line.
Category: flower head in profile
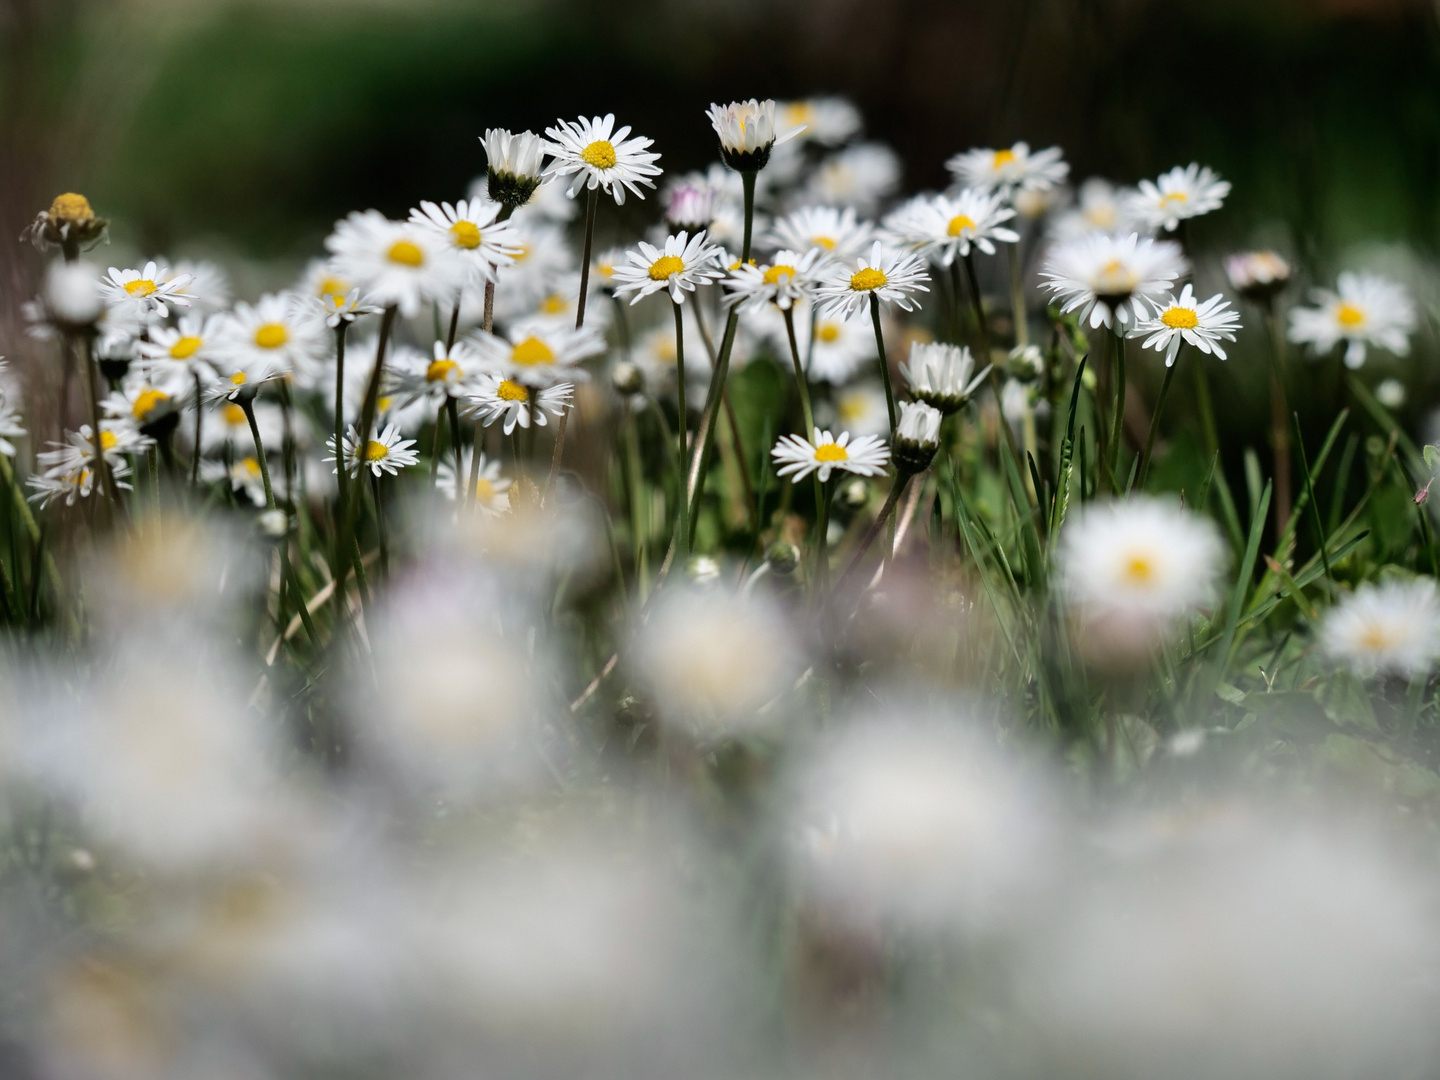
492,491
682,264
1006,170
338,309
1112,280
1182,319
835,233
748,133
942,375
386,452
1257,275
513,165
470,227
917,436
944,228
537,352
1364,310
595,155
148,290
1182,193
690,205
788,277
1392,628
825,453
515,403
397,264
885,277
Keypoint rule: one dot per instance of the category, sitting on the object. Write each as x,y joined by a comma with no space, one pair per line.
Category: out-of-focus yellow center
146,401
599,154
71,209
828,331
250,466
779,275
1349,315
334,287
851,407
510,390
532,351
108,440
831,452
867,280
798,112
666,267
1174,196
233,414
441,370
1180,318
1002,158
382,403
484,490
376,451
140,287
406,253
1115,279
826,242
239,378
554,304
959,223
185,347
272,335
466,234
1376,638
1139,570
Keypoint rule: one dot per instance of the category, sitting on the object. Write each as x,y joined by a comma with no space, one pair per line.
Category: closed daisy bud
627,378
690,207
514,166
747,133
1257,275
782,557
942,375
917,436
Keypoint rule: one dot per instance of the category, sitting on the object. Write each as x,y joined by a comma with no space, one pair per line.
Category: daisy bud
1257,275
855,494
1026,362
274,523
627,378
1391,393
70,221
917,436
747,133
690,208
515,162
72,296
943,376
783,557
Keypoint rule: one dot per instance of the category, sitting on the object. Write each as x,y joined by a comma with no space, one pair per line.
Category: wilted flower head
69,222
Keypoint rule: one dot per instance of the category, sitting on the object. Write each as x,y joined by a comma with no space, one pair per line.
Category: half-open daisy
788,277
1390,628
499,398
396,263
596,155
387,452
684,263
1182,319
942,375
1364,310
537,352
1006,170
889,277
482,243
944,227
1112,279
824,453
835,232
148,290
514,163
748,132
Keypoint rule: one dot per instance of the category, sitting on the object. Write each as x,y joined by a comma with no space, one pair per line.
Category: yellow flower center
71,209
850,407
239,378
532,351
1376,638
1180,318
867,280
108,440
441,370
1349,315
828,331
665,267
185,347
272,335
376,451
798,112
831,452
509,390
250,467
1002,158
484,490
599,154
146,401
523,253
1174,196
1139,570
466,234
406,253
959,223
1115,279
334,287
826,242
140,287
234,415
553,304
778,275
382,403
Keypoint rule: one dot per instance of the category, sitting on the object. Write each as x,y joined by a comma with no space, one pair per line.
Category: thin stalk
452,412
1017,294
884,368
340,431
639,527
747,181
1155,422
822,545
380,523
891,501
1279,418
1117,415
454,328
803,384
984,327
591,205
435,440
195,450
488,324
683,536
102,466
247,403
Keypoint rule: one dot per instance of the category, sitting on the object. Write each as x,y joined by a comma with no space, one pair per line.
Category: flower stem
1155,423
454,328
489,325
1017,294
822,544
747,183
1279,420
884,365
800,380
1117,413
683,537
340,430
102,465
591,205
247,403
195,451
985,358
891,501
367,421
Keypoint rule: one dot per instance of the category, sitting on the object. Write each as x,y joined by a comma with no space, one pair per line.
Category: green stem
1155,422
747,182
247,403
1279,419
339,425
1117,414
452,412
985,358
591,205
683,538
800,381
367,421
195,451
1017,295
884,365
891,501
822,544
102,465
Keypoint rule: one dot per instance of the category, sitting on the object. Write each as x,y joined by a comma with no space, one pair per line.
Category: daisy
175,356
209,287
138,402
837,348
266,340
886,277
1390,628
397,263
789,277
491,489
338,310
482,243
598,156
514,163
1203,325
386,453
690,204
942,375
654,353
860,177
861,409
1112,279
243,474
445,373
1257,275
1100,208
685,263
72,484
917,436
11,427
542,262
828,121
148,290
505,398
536,352
1365,310
1182,193
824,453
232,431
944,228
321,281
1006,170
835,232
748,133
602,270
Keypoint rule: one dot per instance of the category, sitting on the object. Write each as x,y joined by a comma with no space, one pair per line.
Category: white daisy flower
444,373
1257,275
137,402
397,263
482,243
499,398
597,155
860,409
322,282
243,474
1182,319
891,277
840,347
174,356
602,269
1007,170
788,277
1112,280
387,452
227,429
72,484
337,309
537,352
690,204
860,176
942,375
828,121
491,489
267,340
1099,208
209,288
653,352
684,263
544,260
1365,310
837,233
944,228
148,290
1390,628
11,427
514,165
824,453
748,132
1182,193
